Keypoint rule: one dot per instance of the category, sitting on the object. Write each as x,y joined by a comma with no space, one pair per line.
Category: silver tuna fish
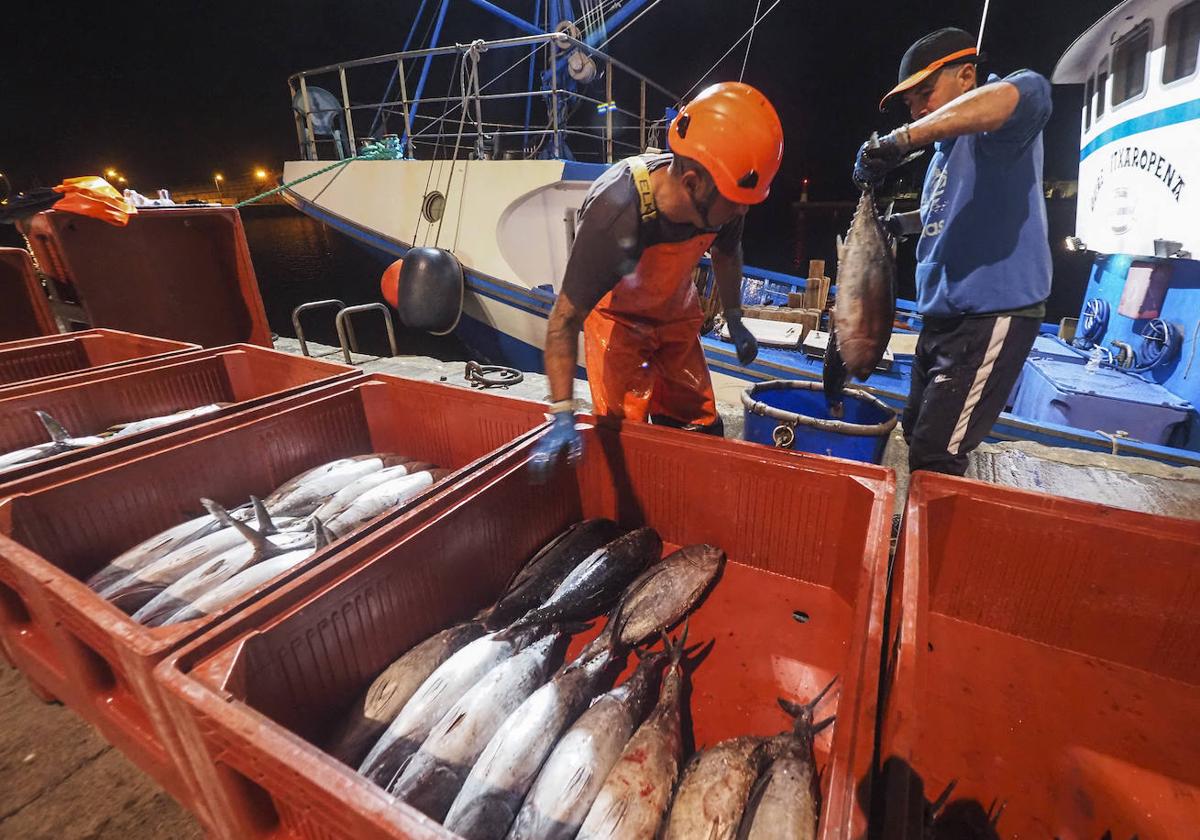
158,546
449,682
345,497
786,801
537,579
593,585
392,689
138,426
248,580
661,597
383,499
633,801
60,441
135,590
715,788
865,307
214,572
572,776
304,493
436,773
493,792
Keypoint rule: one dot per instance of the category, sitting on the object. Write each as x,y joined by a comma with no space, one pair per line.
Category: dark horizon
169,94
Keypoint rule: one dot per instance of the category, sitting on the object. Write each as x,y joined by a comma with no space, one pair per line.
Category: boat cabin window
1089,90
1183,42
1101,88
1129,64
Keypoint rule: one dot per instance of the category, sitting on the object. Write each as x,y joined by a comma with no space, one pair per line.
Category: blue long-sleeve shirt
983,246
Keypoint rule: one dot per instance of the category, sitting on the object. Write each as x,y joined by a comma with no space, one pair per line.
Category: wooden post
816,291
642,121
608,125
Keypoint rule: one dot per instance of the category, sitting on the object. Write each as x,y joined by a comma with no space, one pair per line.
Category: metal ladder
344,326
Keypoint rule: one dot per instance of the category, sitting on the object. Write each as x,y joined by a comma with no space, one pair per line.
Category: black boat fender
430,293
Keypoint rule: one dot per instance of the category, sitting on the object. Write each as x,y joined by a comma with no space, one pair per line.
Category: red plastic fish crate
90,402
26,360
1047,656
80,649
803,534
24,307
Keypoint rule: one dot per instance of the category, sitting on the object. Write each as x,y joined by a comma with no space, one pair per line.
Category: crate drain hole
100,675
249,799
12,606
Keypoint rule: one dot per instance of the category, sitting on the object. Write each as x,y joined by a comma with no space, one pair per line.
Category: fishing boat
494,171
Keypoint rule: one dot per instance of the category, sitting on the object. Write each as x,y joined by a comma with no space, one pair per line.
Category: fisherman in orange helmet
643,227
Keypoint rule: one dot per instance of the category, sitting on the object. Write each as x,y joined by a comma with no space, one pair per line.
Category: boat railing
569,116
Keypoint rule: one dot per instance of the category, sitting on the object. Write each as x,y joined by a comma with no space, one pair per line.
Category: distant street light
121,179
217,179
110,173
260,174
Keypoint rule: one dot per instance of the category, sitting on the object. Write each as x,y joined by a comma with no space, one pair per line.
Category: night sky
170,92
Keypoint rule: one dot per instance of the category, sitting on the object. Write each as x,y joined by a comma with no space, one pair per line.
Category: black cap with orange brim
930,54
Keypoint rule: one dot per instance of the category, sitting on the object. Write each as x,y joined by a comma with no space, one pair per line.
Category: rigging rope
635,19
982,24
746,58
748,32
369,151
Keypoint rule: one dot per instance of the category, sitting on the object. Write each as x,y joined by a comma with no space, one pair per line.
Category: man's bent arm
986,108
727,268
562,348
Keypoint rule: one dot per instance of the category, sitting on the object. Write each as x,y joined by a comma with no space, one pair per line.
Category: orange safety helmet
389,284
732,130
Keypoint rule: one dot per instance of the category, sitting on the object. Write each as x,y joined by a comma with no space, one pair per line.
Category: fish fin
262,516
994,819
812,704
322,536
263,548
936,806
58,434
458,718
793,710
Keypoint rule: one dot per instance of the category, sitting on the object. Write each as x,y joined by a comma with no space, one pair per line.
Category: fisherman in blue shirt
983,259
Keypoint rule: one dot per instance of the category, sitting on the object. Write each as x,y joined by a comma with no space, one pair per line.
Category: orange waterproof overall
642,340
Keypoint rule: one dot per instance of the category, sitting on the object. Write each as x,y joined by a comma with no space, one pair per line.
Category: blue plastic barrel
793,415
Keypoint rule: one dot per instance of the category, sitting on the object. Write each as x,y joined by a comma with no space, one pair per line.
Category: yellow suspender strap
645,191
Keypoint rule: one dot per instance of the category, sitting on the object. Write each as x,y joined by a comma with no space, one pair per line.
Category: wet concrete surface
59,780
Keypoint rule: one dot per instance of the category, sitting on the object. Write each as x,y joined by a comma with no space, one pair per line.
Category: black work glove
742,338
893,223
879,156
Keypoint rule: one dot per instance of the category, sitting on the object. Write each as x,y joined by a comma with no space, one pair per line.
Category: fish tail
936,806
263,548
994,818
56,430
803,713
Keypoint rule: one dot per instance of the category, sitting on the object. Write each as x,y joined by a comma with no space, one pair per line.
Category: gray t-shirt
611,235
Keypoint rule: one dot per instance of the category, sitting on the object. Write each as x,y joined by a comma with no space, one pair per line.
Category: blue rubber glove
561,439
742,338
879,156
